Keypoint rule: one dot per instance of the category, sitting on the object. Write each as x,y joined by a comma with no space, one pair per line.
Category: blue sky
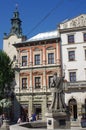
38,15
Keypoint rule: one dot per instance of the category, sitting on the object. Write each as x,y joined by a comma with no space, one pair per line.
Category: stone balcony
79,85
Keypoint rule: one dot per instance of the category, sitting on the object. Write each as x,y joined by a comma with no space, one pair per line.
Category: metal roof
44,36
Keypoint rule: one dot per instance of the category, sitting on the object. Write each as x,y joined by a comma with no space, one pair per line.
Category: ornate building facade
73,37
38,59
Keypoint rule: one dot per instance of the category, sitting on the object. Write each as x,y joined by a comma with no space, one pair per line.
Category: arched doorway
73,108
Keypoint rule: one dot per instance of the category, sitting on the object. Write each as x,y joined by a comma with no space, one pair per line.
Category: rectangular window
37,82
85,54
24,83
37,59
24,60
70,38
72,76
71,55
49,80
84,35
50,58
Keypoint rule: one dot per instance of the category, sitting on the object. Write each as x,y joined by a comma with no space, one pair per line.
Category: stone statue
58,102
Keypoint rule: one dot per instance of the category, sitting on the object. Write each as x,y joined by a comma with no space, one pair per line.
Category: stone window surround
50,51
40,81
74,70
21,82
71,49
24,53
36,53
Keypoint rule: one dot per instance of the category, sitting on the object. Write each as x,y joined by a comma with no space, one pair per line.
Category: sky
38,16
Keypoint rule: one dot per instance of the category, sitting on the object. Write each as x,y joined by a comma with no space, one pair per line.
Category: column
44,55
44,107
30,105
44,79
31,80
31,57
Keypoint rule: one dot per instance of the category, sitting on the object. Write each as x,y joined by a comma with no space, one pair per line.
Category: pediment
79,21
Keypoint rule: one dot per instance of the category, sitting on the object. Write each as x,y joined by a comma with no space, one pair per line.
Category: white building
73,36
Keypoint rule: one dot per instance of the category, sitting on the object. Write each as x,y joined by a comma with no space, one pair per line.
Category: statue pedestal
5,125
58,120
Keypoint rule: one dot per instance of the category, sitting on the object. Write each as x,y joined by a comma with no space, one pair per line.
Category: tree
6,73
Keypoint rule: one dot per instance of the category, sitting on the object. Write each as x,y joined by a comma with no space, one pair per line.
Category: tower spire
16,23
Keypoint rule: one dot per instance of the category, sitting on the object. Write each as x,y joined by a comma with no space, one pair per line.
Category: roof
51,35
44,36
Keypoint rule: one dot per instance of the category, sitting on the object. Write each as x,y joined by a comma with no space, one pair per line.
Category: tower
14,36
16,24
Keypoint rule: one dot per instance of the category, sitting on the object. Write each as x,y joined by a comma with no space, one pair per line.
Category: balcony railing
78,84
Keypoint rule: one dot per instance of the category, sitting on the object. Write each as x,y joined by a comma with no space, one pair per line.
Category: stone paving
18,127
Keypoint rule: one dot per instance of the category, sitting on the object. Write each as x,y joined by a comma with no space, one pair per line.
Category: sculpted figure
58,102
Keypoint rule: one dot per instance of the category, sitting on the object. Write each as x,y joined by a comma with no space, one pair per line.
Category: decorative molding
50,48
37,73
24,74
79,21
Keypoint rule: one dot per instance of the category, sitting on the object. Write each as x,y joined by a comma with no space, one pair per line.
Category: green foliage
6,72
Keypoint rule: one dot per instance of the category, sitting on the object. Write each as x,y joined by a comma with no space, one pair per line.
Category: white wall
8,45
80,63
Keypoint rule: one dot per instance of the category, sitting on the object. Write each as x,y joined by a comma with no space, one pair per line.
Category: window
24,60
72,76
71,55
70,38
50,58
24,83
84,35
50,78
85,54
37,82
37,59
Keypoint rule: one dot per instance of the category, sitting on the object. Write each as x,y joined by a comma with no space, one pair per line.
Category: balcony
75,85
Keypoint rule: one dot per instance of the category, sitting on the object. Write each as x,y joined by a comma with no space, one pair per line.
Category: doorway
38,111
73,108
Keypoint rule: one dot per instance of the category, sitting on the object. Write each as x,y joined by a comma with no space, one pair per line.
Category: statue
56,85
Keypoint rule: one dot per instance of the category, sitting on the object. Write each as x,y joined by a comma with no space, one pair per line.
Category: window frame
72,76
51,58
49,80
71,39
37,61
24,61
84,37
85,53
37,83
24,83
71,55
